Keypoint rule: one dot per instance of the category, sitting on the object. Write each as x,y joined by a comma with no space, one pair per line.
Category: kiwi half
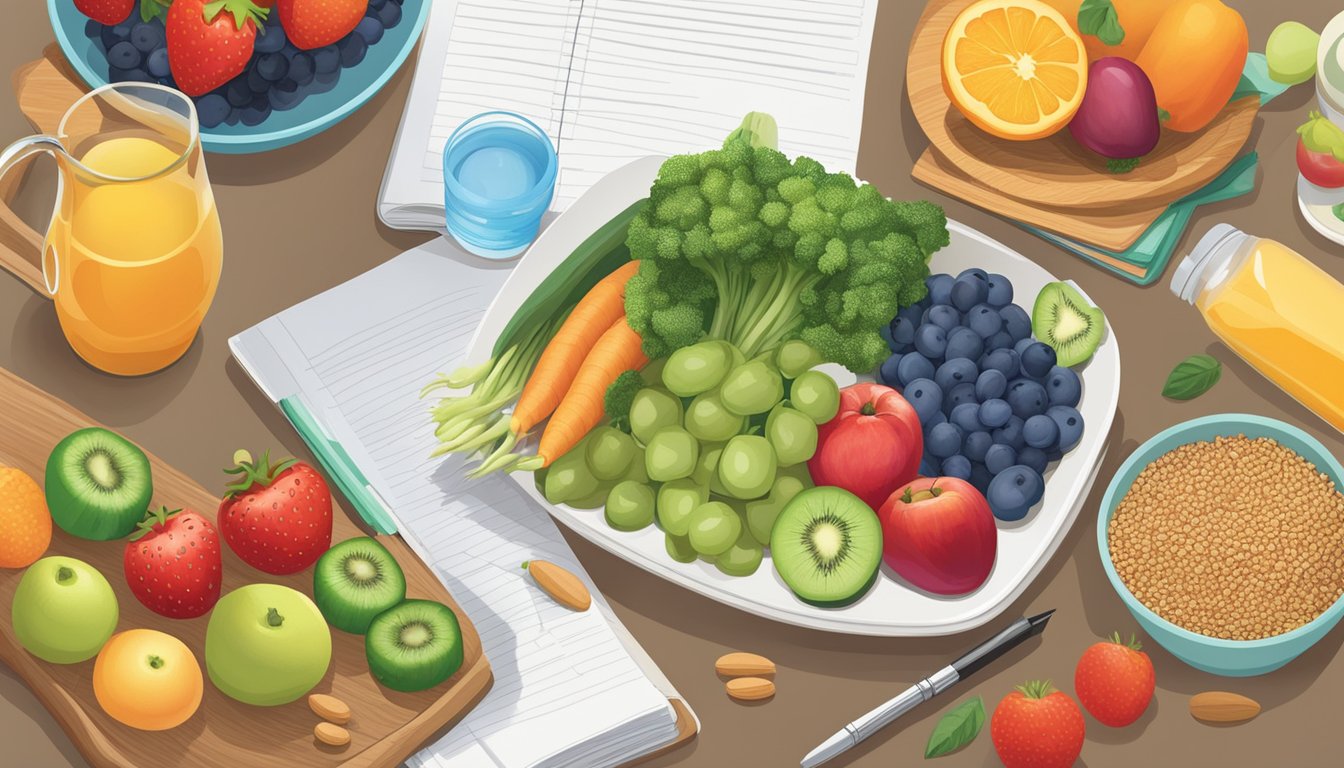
98,485
355,581
1063,319
414,645
827,546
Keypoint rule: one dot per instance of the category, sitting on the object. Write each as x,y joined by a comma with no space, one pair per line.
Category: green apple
266,645
64,610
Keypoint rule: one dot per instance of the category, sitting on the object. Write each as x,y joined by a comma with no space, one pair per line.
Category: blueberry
902,333
157,63
929,424
957,466
888,373
390,14
926,398
256,82
975,272
1063,387
124,55
1034,459
117,33
147,36
273,67
235,116
1000,340
1070,423
963,342
967,417
944,440
285,95
1027,398
1038,359
238,92
370,28
969,290
914,366
212,109
1000,457
1016,321
981,477
944,317
991,383
954,372
119,75
931,341
327,59
93,29
1022,344
961,393
995,413
977,444
272,40
1000,291
1041,432
940,288
353,48
984,320
1014,491
1010,434
376,4
1004,361
254,115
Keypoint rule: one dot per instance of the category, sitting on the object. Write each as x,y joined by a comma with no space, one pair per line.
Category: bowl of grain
1224,536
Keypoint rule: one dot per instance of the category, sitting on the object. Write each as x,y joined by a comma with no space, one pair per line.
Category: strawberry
1036,726
277,519
109,12
1114,681
172,564
210,43
314,23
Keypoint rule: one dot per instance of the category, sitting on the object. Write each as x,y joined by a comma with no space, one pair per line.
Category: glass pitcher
133,253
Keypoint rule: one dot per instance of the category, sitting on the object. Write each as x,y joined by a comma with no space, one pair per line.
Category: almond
750,688
331,734
744,665
1223,707
329,708
563,587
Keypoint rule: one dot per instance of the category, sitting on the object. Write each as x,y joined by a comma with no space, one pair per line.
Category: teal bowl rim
265,140
1228,424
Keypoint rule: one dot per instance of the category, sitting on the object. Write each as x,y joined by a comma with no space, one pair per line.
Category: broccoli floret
743,245
621,395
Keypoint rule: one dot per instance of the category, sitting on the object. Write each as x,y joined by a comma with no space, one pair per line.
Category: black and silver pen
974,660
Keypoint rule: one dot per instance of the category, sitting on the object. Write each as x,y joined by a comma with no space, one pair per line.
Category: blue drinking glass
499,173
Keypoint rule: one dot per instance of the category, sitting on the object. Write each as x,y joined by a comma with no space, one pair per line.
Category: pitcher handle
20,245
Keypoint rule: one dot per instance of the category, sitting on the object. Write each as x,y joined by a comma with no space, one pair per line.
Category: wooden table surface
304,219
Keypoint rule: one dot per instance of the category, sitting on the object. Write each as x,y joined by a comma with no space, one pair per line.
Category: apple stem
155,662
273,617
64,574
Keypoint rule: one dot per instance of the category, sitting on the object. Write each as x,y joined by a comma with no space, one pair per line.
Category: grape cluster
278,77
714,446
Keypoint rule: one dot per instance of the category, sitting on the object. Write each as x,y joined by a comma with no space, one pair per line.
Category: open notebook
570,689
615,80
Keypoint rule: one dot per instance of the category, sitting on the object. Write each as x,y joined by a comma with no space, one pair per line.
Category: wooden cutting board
386,727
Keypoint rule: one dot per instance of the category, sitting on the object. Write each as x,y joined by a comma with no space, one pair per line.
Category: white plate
1317,206
890,608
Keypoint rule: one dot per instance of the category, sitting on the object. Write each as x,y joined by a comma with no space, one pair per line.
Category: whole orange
25,523
147,679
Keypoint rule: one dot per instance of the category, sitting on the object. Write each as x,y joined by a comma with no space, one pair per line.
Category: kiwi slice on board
98,485
355,581
1063,319
414,645
827,546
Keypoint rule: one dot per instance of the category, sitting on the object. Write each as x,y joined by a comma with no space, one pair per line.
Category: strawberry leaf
154,9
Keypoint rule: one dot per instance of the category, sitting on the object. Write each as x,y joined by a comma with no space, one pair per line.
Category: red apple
871,447
939,535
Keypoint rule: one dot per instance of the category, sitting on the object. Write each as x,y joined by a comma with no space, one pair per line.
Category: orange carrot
558,365
618,350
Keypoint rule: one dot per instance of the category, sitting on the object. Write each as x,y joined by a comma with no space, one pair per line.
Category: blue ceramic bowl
1233,658
316,113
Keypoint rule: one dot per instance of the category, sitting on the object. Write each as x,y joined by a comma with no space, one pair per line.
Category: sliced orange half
1015,68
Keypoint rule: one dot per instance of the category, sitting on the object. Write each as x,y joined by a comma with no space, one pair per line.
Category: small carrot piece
558,365
618,350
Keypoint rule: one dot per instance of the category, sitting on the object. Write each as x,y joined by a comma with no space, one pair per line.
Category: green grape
671,454
708,420
539,479
651,410
697,368
652,374
747,467
707,468
815,395
798,472
741,559
636,471
609,453
714,527
679,548
630,506
792,434
1291,52
752,388
595,500
762,513
676,501
735,355
568,478
795,357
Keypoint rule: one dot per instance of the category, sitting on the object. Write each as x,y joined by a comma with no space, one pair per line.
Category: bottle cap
1221,239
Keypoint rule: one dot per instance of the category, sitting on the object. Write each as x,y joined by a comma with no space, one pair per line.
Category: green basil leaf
956,729
1192,377
1099,17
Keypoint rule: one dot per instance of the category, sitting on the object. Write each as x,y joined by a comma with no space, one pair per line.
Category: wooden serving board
386,726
